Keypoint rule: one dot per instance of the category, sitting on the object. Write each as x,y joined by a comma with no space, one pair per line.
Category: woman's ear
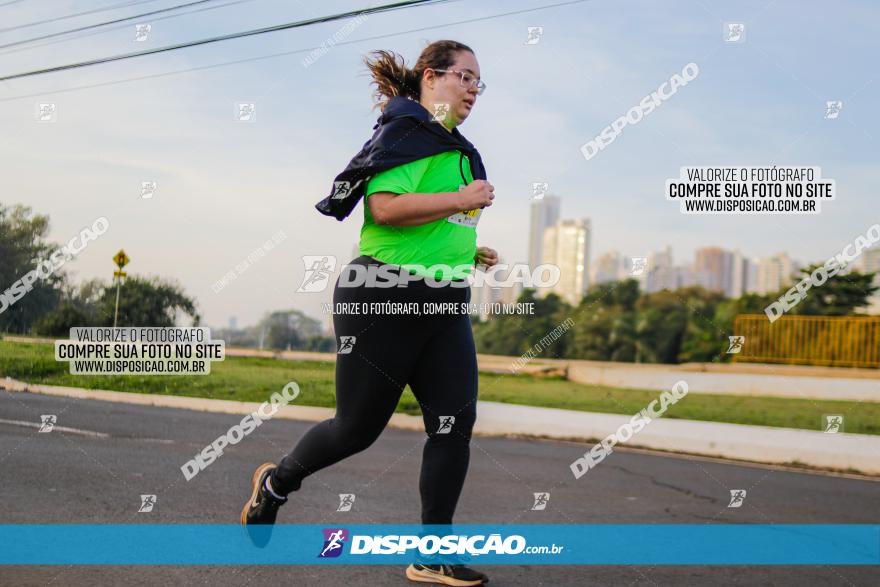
431,78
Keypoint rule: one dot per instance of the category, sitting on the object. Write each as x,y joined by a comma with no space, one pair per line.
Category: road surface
102,456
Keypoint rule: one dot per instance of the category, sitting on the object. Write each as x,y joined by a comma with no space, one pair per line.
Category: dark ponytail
392,77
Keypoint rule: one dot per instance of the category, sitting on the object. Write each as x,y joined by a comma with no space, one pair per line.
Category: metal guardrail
839,341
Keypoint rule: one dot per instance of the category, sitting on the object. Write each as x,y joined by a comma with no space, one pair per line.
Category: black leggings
433,353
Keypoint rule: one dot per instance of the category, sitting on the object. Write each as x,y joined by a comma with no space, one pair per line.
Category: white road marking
56,428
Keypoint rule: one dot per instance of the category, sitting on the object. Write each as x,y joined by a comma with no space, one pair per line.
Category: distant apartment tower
567,245
739,279
608,267
774,273
661,272
686,276
544,213
869,262
713,268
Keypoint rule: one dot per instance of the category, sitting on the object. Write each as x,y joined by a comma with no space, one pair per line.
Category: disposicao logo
334,540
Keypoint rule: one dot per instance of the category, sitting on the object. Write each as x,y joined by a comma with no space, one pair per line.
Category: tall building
752,275
739,279
774,273
608,267
233,323
713,268
661,272
685,276
869,262
544,213
567,245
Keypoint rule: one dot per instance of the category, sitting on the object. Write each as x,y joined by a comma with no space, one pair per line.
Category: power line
260,31
68,16
116,28
285,53
100,24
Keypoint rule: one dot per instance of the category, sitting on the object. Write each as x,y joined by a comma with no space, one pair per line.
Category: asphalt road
82,477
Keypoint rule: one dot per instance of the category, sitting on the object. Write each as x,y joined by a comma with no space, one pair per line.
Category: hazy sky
225,187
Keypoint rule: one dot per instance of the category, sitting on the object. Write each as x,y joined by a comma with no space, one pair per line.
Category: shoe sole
413,575
255,488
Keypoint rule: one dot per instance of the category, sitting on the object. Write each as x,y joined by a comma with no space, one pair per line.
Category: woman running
422,204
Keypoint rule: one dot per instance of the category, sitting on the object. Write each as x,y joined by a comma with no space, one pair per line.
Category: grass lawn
254,379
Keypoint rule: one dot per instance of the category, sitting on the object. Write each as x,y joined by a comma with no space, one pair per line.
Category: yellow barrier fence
839,341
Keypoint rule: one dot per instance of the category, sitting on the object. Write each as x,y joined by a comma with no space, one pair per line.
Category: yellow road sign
119,274
121,259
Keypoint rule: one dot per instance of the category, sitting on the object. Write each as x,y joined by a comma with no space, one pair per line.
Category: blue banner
602,544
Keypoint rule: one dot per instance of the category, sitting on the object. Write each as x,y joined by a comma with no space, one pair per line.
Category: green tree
662,320
290,329
605,323
59,321
514,334
549,312
841,295
498,335
704,339
22,248
751,303
78,308
145,301
320,344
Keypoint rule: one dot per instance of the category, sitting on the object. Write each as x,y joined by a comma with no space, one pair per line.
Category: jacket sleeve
394,141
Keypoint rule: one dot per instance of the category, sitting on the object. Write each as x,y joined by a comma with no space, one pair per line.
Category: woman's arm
412,209
416,208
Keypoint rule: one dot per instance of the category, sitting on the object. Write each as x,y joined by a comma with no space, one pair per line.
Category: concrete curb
761,444
661,377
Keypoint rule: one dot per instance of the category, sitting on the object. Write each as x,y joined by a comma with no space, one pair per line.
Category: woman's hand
477,194
486,256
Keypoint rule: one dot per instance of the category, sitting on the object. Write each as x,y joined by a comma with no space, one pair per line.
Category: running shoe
445,575
262,507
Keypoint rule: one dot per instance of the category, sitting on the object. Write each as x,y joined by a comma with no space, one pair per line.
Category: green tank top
449,241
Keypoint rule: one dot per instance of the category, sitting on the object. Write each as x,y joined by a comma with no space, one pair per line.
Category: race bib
466,217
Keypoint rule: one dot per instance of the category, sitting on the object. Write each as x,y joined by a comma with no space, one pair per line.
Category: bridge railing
839,341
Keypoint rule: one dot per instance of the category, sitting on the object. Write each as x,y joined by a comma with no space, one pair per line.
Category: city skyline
757,274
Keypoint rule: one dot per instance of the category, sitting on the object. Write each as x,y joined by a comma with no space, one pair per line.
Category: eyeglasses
468,80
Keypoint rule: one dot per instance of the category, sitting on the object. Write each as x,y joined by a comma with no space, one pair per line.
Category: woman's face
446,88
